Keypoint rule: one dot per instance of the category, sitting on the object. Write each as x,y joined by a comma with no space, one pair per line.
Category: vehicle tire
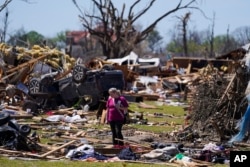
4,118
34,85
79,73
25,130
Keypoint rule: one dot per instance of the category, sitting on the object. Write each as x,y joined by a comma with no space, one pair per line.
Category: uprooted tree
117,33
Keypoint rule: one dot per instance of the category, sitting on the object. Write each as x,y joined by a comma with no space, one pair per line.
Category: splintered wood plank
227,89
30,62
103,118
50,152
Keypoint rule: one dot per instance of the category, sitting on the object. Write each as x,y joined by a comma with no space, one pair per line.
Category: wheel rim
34,86
78,73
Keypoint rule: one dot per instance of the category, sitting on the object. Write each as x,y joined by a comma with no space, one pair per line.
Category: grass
164,109
5,162
153,129
164,124
173,115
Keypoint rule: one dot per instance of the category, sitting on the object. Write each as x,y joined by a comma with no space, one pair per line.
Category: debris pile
218,102
44,89
42,78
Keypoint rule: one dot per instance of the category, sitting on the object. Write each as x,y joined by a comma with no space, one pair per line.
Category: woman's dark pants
116,129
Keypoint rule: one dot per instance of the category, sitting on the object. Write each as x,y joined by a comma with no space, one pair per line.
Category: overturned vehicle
83,86
48,78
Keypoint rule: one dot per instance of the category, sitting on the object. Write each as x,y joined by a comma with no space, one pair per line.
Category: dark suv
69,90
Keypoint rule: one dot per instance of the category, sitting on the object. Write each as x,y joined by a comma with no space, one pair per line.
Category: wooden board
103,118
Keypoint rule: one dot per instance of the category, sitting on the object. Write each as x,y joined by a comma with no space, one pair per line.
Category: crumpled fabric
127,154
162,153
211,147
85,149
95,155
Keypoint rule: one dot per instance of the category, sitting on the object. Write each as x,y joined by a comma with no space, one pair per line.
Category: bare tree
5,22
242,35
116,33
211,39
3,31
184,21
154,40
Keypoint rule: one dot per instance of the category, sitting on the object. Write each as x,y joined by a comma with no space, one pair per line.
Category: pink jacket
112,112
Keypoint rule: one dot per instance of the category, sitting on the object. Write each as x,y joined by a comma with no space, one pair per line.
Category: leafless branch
4,5
77,6
115,32
143,11
178,7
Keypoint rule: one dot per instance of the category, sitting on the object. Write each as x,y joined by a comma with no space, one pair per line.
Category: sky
49,17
